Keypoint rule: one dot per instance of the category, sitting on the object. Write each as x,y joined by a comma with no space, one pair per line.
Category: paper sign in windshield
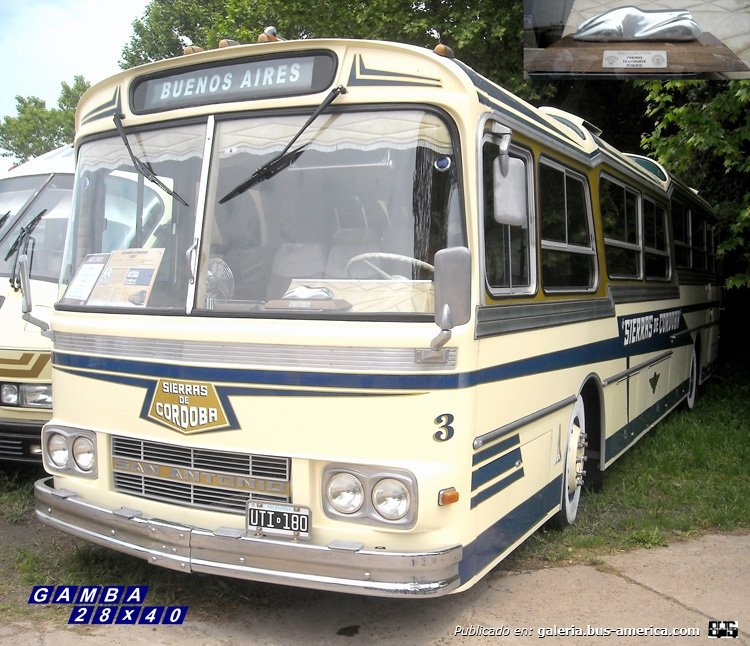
123,278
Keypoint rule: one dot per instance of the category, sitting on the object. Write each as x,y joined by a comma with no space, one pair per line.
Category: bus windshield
15,192
43,240
129,235
347,225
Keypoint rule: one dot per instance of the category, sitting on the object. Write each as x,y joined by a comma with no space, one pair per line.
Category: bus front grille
202,478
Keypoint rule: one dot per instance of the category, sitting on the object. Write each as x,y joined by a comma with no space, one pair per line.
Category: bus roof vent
582,128
653,167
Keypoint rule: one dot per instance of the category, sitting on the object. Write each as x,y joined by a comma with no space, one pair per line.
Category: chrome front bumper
340,567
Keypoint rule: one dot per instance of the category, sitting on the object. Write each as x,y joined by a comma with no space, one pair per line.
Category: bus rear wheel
573,471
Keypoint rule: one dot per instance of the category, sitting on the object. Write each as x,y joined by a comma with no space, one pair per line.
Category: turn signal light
447,496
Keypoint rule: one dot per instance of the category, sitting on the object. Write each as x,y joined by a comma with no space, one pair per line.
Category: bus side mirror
509,191
23,269
452,291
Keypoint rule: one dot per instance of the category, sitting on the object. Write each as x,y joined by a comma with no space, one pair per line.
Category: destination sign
238,80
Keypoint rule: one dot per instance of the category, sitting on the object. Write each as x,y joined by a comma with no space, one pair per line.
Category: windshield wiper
285,158
23,238
144,168
267,171
24,232
4,217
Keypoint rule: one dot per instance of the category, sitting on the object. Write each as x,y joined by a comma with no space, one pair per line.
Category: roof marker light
269,35
444,50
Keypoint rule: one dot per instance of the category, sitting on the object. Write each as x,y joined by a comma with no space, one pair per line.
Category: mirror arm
445,334
23,269
504,156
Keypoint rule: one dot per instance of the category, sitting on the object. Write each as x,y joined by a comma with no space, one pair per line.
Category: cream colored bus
346,315
34,208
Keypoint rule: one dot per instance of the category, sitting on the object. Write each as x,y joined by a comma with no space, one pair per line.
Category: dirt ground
691,585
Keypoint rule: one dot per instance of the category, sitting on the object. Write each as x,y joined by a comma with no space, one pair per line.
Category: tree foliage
702,134
36,128
157,34
485,34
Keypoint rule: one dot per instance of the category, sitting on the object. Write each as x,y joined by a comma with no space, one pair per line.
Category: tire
573,472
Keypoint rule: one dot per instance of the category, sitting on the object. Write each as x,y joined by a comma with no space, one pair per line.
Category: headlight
26,395
370,494
57,449
9,395
69,449
36,395
84,453
390,498
345,493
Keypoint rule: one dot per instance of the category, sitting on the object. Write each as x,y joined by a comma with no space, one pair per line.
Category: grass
16,494
688,476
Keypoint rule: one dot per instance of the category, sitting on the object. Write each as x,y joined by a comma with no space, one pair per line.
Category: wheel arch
592,393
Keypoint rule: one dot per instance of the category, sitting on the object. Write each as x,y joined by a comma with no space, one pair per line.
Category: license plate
278,519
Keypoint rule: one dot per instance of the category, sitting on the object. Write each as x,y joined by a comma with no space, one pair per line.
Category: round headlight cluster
371,495
70,449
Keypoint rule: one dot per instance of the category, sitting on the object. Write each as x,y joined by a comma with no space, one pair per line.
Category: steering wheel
380,255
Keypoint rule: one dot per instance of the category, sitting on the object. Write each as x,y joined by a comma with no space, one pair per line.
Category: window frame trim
567,247
624,244
527,156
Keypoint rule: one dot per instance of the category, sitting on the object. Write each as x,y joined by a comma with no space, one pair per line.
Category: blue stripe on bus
496,468
496,488
560,360
506,531
495,449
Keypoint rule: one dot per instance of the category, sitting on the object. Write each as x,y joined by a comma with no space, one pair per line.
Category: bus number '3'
445,433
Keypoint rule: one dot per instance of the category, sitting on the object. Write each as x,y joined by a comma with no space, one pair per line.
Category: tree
157,34
38,129
702,134
485,34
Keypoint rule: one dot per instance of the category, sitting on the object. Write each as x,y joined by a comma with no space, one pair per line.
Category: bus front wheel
573,471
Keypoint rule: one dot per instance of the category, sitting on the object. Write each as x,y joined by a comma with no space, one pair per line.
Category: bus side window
681,229
506,219
656,260
622,231
568,253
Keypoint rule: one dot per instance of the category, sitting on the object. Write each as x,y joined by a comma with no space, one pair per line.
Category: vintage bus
34,208
371,320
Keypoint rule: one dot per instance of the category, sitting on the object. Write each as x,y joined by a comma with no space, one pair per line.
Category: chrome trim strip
697,328
234,553
266,355
200,214
637,368
482,440
501,319
638,293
